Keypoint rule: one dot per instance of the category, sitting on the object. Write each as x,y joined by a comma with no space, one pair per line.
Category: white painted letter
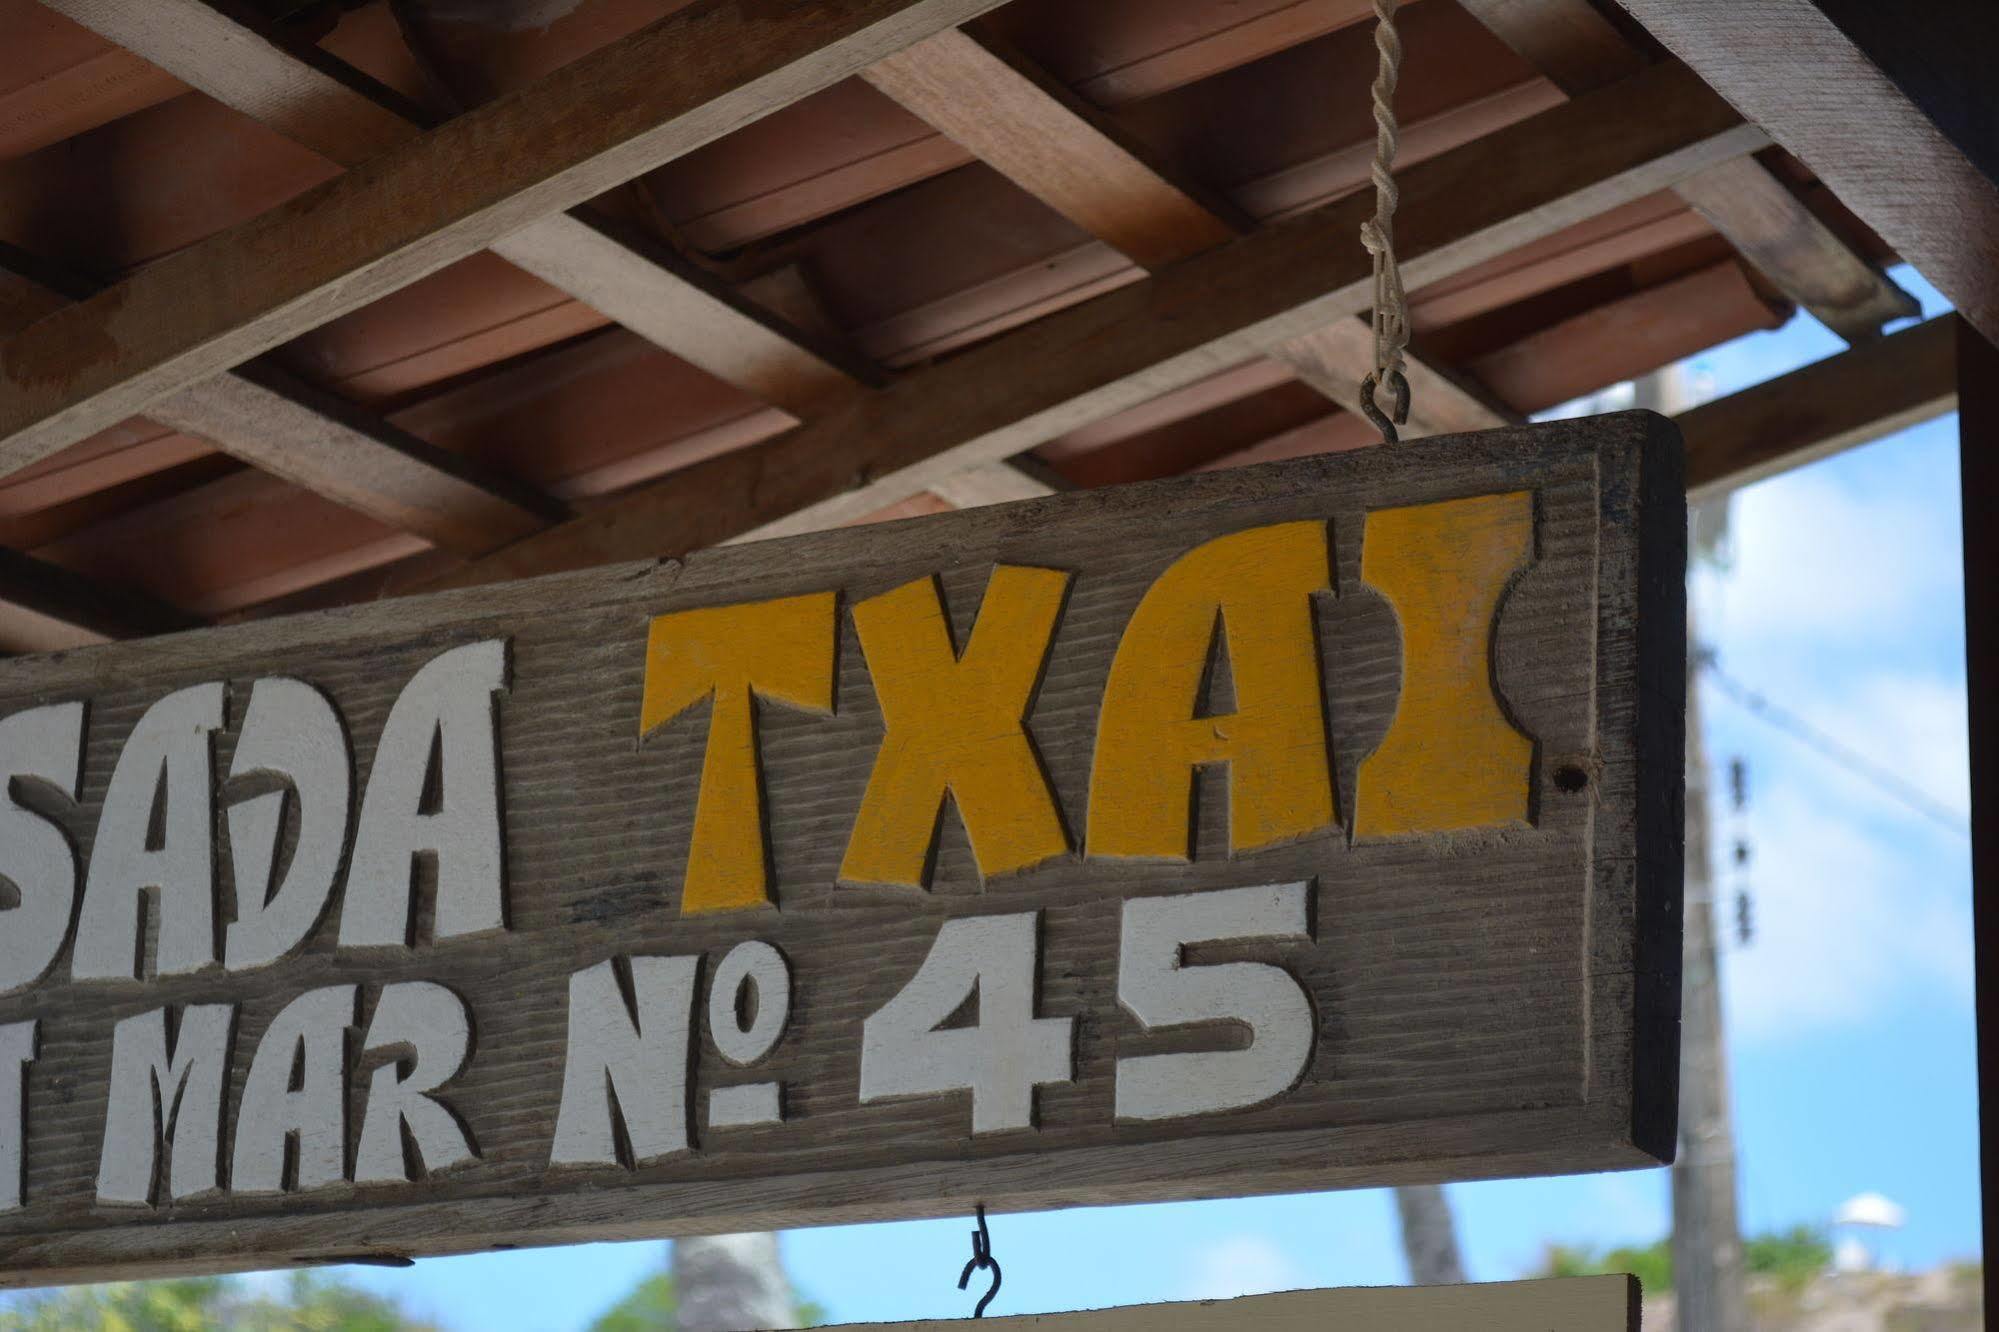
309,1037
154,1097
17,1051
41,745
447,707
292,730
1001,1059
166,758
626,1062
1159,991
750,969
433,1024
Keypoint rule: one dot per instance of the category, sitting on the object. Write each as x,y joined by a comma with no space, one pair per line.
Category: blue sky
1849,1016
1850,1019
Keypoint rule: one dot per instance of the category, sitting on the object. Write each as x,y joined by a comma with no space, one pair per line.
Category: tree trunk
1429,1236
731,1283
1707,1244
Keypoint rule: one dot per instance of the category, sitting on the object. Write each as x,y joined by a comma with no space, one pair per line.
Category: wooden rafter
1058,148
314,439
45,608
316,100
1055,146
1822,97
1336,358
1839,403
1576,47
462,187
1219,308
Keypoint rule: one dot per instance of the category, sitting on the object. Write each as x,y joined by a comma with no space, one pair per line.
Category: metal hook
1398,388
982,1257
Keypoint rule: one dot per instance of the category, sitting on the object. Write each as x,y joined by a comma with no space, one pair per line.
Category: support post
1978,452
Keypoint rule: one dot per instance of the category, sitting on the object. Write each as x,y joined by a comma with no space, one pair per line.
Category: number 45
1008,1052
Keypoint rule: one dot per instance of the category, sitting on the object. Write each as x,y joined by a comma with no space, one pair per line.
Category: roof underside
865,248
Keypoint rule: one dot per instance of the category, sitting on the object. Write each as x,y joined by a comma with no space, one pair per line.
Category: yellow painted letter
1450,759
955,724
780,650
1259,585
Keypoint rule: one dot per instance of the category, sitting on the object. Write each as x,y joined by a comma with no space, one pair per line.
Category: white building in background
1856,1217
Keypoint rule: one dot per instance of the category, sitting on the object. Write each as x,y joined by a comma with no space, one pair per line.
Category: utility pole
1707,1240
1707,1236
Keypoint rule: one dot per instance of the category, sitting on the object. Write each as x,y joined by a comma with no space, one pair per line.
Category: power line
1841,754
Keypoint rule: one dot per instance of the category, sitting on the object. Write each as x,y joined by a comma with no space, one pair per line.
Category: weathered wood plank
1055,146
1788,67
313,98
1336,358
46,608
1829,406
1576,46
681,82
1215,310
1580,1304
330,446
1021,478
1585,352
1455,895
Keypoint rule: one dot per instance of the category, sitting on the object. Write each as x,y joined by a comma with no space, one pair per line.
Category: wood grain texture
45,608
1839,403
1184,325
1790,69
1489,1002
683,81
1055,146
328,445
314,99
1582,1304
1336,358
1576,46
1022,478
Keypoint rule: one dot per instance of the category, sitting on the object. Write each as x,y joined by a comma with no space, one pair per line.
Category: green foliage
1790,1257
209,1304
649,1308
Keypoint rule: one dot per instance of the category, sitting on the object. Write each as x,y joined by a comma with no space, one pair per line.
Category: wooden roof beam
1824,408
464,186
1579,50
314,99
1057,147
47,608
1442,401
1217,309
1827,99
317,440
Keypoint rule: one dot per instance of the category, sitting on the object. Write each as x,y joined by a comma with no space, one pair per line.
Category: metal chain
1391,303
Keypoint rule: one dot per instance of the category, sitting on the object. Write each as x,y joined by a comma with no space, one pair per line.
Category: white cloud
1240,1265
1846,926
1817,563
1915,727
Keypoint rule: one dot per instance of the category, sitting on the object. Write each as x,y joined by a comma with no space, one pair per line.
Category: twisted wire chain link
1391,305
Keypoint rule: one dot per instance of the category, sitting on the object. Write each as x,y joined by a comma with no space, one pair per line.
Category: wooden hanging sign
1306,826
1572,1304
